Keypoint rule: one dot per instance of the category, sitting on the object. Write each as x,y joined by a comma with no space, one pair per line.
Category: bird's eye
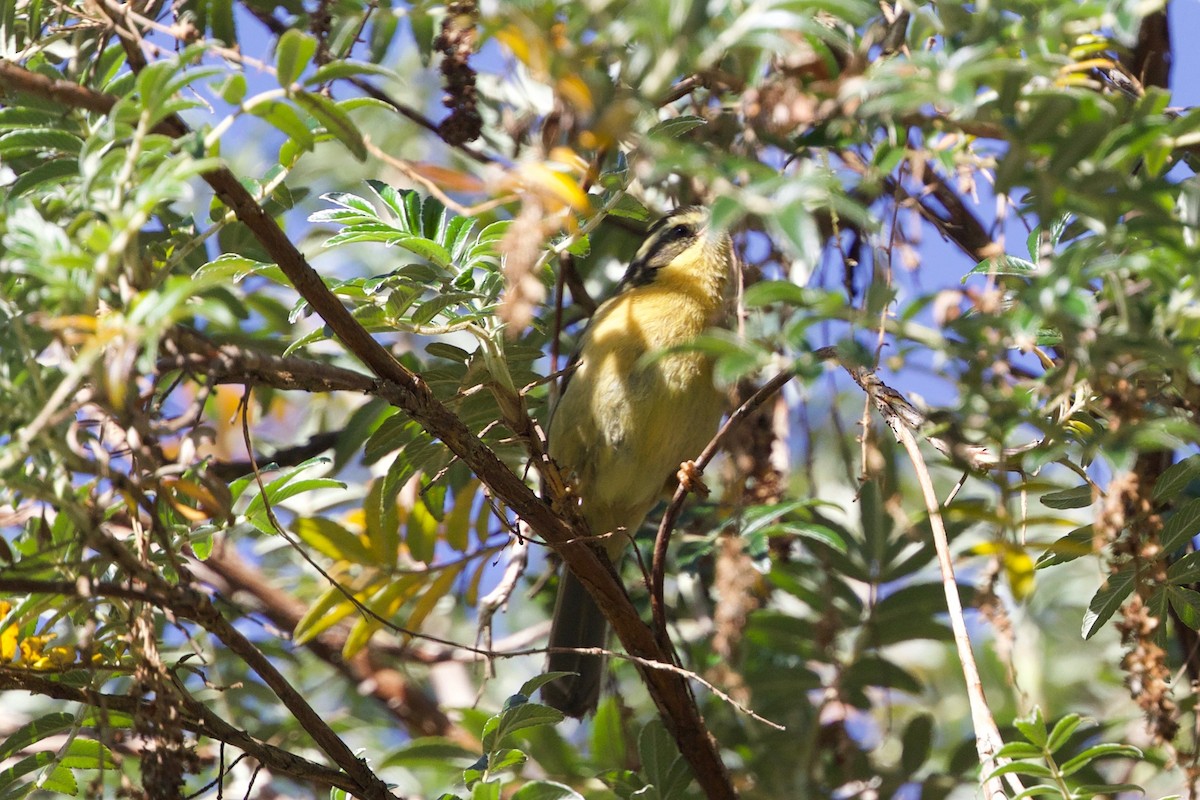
680,231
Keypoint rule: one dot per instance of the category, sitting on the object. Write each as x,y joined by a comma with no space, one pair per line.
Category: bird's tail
578,622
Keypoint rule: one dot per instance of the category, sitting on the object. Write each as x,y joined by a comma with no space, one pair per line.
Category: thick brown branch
195,717
411,706
187,603
409,392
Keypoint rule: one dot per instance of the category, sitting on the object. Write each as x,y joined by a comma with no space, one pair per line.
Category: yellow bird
630,415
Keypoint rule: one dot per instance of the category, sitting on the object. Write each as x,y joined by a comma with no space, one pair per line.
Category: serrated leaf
35,731
1078,542
520,717
1176,477
1107,600
1182,526
1186,603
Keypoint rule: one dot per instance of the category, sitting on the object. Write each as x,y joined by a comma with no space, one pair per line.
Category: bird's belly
664,414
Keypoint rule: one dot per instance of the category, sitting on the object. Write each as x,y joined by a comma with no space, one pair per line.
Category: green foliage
1036,758
156,337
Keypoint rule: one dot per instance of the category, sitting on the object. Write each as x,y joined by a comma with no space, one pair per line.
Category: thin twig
663,537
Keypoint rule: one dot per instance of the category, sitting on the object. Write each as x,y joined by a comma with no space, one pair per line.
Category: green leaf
1108,789
519,717
1077,497
661,763
505,759
608,733
55,171
41,139
546,790
486,791
1099,751
1030,768
35,731
292,55
1183,524
917,742
346,68
765,293
24,767
335,120
1003,265
1018,750
676,126
1176,478
220,15
1062,731
1078,542
233,89
1186,603
86,754
878,671
1185,570
285,119
1107,600
1034,728
429,752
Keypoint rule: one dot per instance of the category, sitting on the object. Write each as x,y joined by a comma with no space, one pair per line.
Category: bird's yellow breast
630,413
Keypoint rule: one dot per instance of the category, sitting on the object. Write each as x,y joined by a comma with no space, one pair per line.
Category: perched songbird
630,415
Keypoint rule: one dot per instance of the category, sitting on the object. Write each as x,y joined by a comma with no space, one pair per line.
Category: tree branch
408,391
196,717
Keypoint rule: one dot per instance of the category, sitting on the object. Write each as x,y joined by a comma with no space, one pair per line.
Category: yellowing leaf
575,91
1019,569
458,521
430,596
420,535
331,539
331,608
209,506
556,189
449,180
382,606
471,596
531,51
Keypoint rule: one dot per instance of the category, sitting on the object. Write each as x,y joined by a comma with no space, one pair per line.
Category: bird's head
684,253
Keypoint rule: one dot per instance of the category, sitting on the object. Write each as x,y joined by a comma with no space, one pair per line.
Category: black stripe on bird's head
665,241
